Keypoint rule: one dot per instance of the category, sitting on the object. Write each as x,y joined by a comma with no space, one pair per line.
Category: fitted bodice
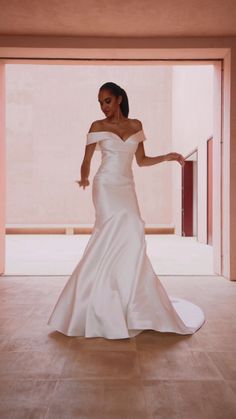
117,154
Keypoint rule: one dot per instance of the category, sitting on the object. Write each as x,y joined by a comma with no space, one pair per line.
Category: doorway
189,195
194,224
209,190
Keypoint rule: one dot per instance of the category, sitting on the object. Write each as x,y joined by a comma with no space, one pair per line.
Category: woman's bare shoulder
100,125
136,124
96,126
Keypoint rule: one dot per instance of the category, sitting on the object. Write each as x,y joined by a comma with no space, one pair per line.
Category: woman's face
109,103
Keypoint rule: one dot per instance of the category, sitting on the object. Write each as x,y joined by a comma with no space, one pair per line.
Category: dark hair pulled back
118,91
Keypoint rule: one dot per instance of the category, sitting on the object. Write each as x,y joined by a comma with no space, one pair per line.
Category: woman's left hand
176,156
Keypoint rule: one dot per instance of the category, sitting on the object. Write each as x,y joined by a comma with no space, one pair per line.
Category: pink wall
49,111
2,168
192,125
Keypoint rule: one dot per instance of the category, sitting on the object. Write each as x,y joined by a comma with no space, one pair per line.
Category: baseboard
76,229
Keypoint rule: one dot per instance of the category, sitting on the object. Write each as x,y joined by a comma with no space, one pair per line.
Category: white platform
54,254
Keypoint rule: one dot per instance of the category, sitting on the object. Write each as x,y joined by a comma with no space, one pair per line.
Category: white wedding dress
113,291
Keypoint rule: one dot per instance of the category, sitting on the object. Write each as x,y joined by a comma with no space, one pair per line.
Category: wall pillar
2,169
217,232
230,161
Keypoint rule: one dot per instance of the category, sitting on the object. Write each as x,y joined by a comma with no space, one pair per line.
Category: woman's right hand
83,183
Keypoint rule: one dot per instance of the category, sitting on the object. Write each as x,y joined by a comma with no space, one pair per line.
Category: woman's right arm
85,166
88,154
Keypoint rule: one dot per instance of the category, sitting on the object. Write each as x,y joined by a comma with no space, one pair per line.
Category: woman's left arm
143,160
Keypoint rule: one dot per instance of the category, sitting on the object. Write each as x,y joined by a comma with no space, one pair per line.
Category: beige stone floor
44,374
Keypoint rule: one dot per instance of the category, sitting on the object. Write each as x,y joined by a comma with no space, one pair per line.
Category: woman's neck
117,120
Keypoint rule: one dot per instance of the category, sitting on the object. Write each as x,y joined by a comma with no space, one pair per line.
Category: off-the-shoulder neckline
114,133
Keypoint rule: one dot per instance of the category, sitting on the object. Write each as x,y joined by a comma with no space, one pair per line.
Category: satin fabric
114,292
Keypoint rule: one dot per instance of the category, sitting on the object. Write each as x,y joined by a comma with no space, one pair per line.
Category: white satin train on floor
113,291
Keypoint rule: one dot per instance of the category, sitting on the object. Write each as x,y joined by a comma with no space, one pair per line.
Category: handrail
191,152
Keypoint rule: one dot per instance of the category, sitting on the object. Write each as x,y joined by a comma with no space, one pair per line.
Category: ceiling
118,18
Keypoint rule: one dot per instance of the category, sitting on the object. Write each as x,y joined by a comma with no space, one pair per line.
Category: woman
113,291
